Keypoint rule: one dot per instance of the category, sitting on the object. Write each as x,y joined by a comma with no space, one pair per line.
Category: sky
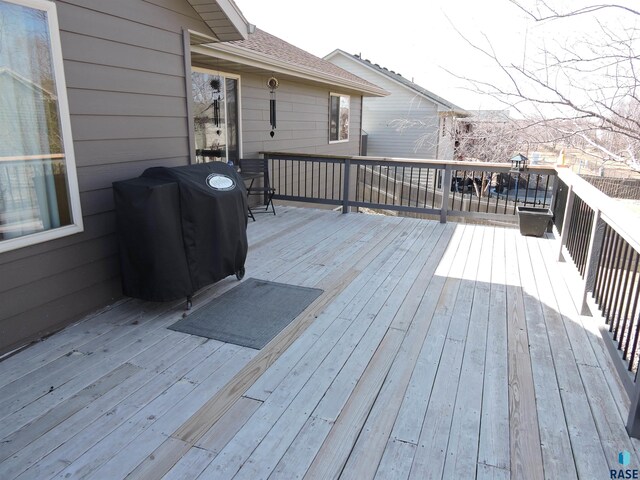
423,40
416,38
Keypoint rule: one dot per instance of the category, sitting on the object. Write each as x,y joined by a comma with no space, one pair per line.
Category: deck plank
462,449
335,299
212,442
29,433
431,453
68,340
396,460
295,393
436,351
351,297
587,449
335,450
440,298
493,448
207,378
552,426
368,450
526,454
111,420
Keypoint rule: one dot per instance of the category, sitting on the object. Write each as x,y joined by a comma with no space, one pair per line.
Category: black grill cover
180,229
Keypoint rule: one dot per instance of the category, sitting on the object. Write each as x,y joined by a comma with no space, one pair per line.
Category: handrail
423,186
624,220
460,164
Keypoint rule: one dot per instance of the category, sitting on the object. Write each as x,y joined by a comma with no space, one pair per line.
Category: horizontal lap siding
383,117
124,68
302,119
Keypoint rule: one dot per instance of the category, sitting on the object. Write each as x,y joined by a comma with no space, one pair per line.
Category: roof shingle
273,47
407,83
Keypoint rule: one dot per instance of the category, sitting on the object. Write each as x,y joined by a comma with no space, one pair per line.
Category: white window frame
77,225
339,95
235,77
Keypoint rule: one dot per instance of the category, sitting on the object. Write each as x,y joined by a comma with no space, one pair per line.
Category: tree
583,88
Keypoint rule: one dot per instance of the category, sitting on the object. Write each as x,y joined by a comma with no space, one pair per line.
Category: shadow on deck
436,351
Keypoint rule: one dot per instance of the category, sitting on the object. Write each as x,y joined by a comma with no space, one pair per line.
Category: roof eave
237,27
244,56
429,96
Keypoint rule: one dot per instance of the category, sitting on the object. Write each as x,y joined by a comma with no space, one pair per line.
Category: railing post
345,186
265,197
593,255
566,222
553,201
633,420
446,187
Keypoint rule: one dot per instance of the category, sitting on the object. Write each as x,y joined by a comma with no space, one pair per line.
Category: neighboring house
120,74
411,122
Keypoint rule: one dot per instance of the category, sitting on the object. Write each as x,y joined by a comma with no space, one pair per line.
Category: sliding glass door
216,115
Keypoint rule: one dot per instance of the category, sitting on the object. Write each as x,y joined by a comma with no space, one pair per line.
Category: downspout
361,115
186,46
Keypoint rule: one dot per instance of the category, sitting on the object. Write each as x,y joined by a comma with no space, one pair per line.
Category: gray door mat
251,314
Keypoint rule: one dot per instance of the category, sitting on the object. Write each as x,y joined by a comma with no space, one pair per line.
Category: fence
628,188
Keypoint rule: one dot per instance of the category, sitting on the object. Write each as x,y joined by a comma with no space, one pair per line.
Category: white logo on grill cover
218,181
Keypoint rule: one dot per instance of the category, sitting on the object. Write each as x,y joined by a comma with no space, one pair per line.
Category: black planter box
534,221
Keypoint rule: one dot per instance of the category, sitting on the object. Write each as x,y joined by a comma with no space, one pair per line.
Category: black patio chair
256,171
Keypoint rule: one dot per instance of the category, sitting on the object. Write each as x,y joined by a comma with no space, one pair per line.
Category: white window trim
334,94
235,77
65,122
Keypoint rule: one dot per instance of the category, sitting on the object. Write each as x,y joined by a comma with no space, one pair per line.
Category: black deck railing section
420,186
603,241
616,292
579,234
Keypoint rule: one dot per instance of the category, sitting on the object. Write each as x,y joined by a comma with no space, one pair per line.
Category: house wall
403,124
446,138
125,74
124,68
302,119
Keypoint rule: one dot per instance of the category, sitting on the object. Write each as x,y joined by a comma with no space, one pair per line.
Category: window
338,118
39,197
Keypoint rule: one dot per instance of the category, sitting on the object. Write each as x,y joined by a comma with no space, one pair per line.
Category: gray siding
125,77
302,119
403,124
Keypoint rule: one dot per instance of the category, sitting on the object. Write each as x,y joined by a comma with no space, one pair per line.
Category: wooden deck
436,351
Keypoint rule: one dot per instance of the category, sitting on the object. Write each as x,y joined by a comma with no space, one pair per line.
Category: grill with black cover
180,229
